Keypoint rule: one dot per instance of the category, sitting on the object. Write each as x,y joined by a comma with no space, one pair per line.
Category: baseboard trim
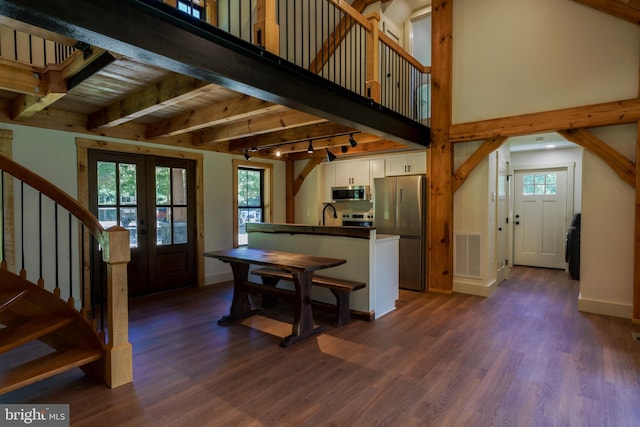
212,279
606,308
472,288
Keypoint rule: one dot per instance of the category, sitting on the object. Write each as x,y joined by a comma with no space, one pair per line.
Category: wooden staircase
28,313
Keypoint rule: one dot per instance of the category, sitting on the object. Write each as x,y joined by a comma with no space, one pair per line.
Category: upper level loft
259,75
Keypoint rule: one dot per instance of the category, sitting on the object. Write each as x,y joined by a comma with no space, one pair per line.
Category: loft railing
46,238
33,50
328,38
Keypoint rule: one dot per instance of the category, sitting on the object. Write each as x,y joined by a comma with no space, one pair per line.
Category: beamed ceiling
105,93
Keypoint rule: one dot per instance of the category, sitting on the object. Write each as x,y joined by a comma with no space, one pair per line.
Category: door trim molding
82,148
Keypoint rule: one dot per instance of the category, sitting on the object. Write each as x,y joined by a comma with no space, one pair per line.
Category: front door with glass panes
150,197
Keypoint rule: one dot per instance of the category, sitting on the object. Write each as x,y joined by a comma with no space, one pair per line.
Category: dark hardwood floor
523,357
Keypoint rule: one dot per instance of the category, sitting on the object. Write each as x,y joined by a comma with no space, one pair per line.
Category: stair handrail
55,193
116,253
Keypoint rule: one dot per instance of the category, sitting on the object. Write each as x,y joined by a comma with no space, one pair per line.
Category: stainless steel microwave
351,192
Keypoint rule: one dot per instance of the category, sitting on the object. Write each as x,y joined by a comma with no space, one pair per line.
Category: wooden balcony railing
329,38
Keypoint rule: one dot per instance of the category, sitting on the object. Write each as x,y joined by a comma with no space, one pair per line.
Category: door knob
499,228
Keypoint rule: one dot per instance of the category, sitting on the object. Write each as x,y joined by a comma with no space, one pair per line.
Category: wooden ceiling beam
175,89
25,106
326,129
629,10
463,172
240,108
622,166
22,78
608,113
376,146
268,123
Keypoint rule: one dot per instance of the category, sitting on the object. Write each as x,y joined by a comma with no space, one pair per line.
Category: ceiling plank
608,113
239,108
621,165
175,89
258,125
629,10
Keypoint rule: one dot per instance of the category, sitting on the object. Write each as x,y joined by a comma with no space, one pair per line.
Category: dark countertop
321,230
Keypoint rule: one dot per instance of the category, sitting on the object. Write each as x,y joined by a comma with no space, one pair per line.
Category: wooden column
119,356
440,168
7,222
373,59
290,194
266,29
636,248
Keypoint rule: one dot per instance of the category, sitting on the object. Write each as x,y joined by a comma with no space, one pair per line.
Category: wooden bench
340,288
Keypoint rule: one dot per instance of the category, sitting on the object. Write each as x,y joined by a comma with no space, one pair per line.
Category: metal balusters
56,252
70,299
40,257
3,231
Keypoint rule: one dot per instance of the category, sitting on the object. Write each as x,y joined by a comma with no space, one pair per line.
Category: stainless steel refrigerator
400,209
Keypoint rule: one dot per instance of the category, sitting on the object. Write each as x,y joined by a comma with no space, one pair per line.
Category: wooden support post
635,317
441,152
373,59
266,31
290,194
119,355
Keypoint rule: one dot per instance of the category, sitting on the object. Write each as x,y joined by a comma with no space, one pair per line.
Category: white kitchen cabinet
377,169
328,180
354,172
412,164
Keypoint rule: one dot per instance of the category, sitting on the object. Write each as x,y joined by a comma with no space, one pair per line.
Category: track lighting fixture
352,140
246,154
310,148
330,156
344,149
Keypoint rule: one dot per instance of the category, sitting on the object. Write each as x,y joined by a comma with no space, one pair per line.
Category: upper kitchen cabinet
410,164
352,173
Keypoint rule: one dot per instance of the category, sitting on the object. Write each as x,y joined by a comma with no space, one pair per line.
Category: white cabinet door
328,180
417,163
412,164
352,173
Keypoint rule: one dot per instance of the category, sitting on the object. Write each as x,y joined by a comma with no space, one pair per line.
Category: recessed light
549,146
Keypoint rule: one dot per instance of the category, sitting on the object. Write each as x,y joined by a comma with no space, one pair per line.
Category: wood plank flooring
523,357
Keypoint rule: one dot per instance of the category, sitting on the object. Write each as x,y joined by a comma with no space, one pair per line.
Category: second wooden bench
340,288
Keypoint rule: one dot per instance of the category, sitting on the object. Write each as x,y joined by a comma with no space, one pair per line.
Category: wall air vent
467,255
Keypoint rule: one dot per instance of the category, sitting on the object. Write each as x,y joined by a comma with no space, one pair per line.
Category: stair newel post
266,31
373,58
119,355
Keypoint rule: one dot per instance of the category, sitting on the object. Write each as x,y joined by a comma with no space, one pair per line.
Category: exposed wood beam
463,172
25,106
636,247
239,108
629,10
22,78
320,144
296,134
373,147
175,89
262,124
608,113
308,168
440,168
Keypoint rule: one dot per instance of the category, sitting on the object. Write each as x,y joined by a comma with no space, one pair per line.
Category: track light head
352,141
246,154
310,148
344,149
330,156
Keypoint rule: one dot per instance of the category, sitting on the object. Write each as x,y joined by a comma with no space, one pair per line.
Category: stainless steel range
357,219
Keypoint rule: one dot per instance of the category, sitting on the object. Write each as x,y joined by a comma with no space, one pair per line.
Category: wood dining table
301,267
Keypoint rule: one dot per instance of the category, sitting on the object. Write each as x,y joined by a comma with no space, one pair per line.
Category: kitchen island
371,258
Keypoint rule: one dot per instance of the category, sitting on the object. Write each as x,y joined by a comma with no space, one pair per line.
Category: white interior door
540,217
502,220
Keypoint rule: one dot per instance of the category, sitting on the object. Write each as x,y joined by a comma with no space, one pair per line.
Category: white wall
52,154
522,56
514,57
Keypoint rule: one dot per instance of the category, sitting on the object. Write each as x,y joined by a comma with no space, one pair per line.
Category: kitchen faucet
335,214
